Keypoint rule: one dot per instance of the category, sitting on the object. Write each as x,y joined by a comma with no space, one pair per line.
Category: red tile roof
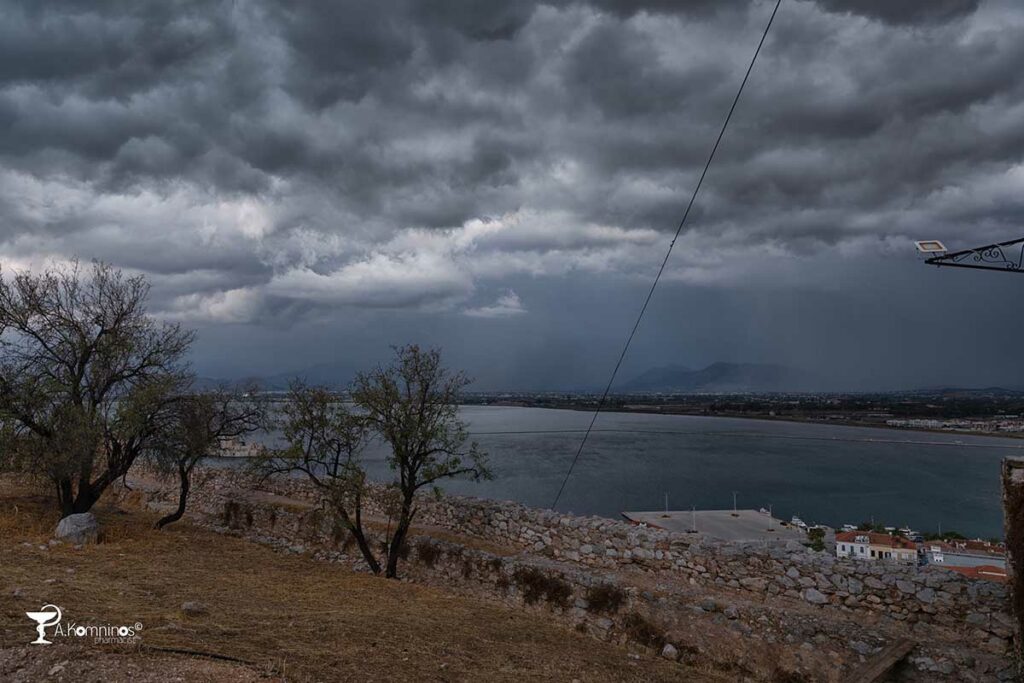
983,547
968,547
985,571
876,538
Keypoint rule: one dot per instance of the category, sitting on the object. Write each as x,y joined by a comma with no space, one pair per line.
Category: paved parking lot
726,525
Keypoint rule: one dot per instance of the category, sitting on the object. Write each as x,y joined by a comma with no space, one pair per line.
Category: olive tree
197,426
324,441
87,377
412,404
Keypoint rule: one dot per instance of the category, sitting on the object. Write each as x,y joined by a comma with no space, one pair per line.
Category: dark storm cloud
899,12
275,162
107,48
629,8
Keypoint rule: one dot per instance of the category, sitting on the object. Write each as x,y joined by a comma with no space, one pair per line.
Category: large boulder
78,529
194,609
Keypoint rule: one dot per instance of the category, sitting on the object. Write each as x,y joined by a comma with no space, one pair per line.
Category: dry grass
298,618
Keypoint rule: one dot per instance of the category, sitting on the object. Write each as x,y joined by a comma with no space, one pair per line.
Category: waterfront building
964,553
871,545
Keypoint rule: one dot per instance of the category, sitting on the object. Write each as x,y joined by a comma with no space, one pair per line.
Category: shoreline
764,418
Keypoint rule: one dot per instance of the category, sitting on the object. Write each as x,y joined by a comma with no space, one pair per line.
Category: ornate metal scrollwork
999,256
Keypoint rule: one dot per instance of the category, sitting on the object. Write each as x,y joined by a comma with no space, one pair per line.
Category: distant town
976,411
976,558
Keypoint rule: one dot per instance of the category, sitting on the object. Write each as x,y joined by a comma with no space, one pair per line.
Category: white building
871,545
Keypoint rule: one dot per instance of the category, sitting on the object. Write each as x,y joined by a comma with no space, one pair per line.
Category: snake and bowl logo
51,615
48,615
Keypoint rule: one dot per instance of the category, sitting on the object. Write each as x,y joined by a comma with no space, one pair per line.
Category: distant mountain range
331,375
717,378
720,378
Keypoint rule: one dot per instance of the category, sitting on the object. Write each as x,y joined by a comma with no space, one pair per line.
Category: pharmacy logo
101,634
48,615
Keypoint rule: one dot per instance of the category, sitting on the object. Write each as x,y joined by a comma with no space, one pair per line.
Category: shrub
232,515
403,551
311,523
605,598
642,631
427,553
536,584
816,537
338,534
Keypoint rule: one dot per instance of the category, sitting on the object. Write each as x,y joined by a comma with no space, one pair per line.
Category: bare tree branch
86,377
413,405
324,442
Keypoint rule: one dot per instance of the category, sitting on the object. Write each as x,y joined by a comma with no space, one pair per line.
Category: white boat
797,522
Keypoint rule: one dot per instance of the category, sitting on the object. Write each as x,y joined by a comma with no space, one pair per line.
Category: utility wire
668,253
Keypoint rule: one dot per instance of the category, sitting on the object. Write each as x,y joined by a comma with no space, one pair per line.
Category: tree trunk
366,550
65,499
85,499
398,540
184,485
89,493
356,529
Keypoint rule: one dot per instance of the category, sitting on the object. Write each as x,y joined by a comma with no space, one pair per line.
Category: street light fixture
1007,257
931,247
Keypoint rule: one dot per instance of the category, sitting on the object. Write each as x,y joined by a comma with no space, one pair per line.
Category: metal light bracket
1002,256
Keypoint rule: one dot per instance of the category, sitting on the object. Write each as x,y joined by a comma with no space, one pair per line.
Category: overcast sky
310,182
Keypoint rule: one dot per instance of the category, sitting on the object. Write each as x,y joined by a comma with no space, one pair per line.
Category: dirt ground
282,617
84,664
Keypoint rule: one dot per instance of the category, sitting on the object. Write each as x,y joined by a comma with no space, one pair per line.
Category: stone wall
905,592
809,614
1013,521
